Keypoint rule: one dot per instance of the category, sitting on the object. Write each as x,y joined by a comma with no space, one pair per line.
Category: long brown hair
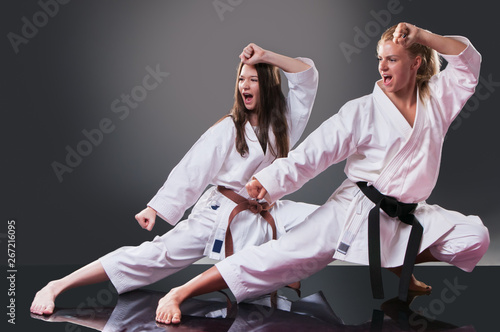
429,67
271,111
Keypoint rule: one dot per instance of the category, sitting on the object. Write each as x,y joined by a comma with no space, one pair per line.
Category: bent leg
44,301
258,270
303,251
464,245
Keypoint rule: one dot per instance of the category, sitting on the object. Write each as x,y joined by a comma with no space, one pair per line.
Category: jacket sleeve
453,86
302,88
332,142
187,181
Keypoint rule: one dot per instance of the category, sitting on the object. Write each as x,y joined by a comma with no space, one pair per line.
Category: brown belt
255,207
242,205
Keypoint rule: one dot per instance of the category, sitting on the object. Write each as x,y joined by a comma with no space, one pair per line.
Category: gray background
65,78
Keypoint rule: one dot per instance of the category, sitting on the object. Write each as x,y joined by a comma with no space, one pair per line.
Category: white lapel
413,138
255,149
392,112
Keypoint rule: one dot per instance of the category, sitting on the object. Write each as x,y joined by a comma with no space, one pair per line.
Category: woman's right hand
255,189
146,218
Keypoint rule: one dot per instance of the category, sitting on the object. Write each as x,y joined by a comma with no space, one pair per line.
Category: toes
42,309
165,318
424,287
48,310
36,309
176,319
159,318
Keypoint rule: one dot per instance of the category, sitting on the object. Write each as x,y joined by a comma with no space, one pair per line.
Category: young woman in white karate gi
261,127
392,140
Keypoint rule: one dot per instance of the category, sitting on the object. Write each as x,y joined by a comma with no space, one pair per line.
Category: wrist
268,57
424,37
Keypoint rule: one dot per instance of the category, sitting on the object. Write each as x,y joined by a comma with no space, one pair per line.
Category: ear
416,62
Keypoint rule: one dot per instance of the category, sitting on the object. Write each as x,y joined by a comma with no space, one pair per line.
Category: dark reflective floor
336,299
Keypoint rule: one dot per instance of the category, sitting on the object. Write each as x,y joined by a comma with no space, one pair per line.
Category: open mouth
387,79
247,97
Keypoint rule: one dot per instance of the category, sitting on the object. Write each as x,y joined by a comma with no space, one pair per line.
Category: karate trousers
310,246
132,267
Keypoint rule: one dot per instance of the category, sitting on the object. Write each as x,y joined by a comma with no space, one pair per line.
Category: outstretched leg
262,269
168,311
44,301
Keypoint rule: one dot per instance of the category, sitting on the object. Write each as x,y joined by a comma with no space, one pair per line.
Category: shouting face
248,85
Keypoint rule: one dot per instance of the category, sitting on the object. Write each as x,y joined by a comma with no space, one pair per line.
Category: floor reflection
135,311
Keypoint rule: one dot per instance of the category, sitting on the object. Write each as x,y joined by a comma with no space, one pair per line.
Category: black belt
394,209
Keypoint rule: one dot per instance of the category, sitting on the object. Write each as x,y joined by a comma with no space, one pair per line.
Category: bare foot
415,285
168,311
57,316
418,286
43,303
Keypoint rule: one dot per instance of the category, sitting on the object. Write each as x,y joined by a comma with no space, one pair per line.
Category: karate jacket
213,160
381,148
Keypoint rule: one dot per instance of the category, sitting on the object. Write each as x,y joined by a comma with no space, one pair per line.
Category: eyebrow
248,76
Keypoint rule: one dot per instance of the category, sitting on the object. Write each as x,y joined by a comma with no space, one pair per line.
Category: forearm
441,44
284,62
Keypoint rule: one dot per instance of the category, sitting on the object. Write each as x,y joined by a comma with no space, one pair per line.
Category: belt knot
404,212
243,204
396,209
254,206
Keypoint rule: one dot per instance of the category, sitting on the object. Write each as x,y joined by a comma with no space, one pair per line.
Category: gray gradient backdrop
82,57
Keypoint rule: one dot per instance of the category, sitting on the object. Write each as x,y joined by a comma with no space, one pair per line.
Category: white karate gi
382,149
214,160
